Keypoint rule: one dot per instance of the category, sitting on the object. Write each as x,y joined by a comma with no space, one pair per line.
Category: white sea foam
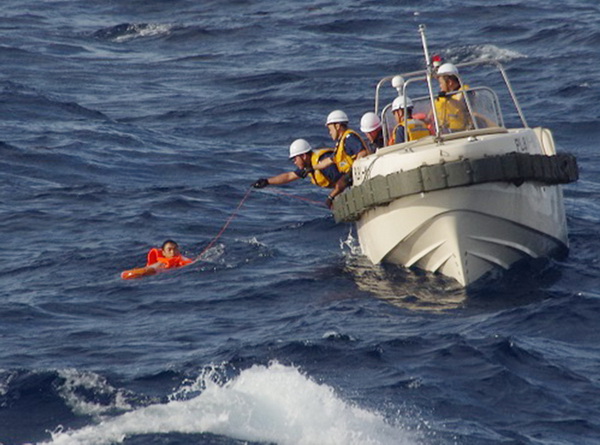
351,245
75,381
490,52
135,31
214,254
6,384
275,404
254,242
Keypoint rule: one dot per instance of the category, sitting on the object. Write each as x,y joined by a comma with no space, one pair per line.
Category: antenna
425,49
429,81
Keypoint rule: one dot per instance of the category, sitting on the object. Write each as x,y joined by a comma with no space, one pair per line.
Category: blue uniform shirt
399,134
353,144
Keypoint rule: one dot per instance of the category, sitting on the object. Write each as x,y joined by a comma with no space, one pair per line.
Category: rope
241,203
214,240
301,198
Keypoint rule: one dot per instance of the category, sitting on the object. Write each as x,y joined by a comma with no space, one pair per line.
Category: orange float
156,263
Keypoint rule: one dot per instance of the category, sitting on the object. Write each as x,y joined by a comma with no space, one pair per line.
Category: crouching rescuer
349,147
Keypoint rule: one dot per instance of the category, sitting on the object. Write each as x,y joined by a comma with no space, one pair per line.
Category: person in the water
167,257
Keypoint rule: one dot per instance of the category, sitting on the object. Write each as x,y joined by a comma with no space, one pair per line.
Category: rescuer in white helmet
447,75
450,106
349,146
370,125
402,108
304,157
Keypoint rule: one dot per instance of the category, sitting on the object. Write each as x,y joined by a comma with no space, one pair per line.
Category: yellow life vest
342,159
416,130
316,176
452,113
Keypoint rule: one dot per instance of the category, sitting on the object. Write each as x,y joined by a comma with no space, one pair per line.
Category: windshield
470,107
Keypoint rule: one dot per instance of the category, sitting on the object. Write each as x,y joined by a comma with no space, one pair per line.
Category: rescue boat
462,202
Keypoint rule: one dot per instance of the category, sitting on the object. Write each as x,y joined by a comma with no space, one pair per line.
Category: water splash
274,404
88,393
350,246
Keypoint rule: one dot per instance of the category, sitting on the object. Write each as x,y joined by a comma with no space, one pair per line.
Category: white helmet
299,147
369,122
399,103
447,69
337,116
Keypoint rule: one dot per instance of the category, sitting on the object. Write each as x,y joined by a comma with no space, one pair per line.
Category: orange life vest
156,256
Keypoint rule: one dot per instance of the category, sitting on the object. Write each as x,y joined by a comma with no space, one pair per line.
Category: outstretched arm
283,178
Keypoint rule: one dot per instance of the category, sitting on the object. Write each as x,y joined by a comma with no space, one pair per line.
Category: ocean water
125,123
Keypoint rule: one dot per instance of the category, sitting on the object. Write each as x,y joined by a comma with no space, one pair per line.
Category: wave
78,388
28,104
479,53
346,26
129,31
274,404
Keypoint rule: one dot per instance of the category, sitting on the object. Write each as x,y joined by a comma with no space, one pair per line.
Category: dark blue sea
124,123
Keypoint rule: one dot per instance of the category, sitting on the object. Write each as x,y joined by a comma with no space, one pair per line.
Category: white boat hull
465,232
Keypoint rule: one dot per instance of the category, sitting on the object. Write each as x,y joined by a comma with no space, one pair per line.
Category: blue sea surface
127,123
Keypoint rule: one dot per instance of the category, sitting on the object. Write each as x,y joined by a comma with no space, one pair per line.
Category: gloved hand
261,183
